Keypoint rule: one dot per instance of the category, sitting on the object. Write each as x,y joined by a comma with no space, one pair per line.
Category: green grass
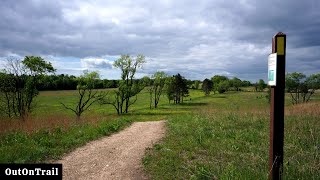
228,138
48,103
52,131
20,147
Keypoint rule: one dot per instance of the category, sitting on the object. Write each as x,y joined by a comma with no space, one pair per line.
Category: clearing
118,156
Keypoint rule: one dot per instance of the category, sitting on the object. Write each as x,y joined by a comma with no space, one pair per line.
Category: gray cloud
195,38
96,63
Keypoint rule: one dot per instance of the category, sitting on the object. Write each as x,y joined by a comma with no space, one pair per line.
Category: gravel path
115,157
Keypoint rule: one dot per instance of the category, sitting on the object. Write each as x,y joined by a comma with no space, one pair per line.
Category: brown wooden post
277,109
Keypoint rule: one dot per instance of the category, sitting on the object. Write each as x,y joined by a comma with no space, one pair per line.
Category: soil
118,156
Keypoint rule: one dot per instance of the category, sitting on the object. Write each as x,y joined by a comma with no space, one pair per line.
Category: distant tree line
299,86
221,84
70,82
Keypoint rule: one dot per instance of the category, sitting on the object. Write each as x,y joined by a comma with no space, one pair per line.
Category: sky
198,39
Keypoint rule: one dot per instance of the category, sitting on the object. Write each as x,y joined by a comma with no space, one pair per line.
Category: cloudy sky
196,38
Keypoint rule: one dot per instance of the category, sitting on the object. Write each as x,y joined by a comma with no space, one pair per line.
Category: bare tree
86,93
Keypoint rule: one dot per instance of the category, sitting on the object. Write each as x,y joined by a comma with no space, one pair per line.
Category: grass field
223,136
228,138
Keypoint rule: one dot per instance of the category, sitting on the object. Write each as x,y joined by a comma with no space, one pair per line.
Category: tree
110,83
223,86
246,83
20,83
196,84
217,79
86,94
268,96
128,87
189,83
261,85
300,87
313,82
156,89
57,82
207,86
147,81
169,88
236,83
177,89
7,97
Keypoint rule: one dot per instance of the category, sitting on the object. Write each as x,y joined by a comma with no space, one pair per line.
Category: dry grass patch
33,124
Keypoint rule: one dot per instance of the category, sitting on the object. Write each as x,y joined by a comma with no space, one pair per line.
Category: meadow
228,138
221,136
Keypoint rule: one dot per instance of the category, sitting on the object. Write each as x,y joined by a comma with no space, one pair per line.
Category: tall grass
51,131
229,139
35,123
48,144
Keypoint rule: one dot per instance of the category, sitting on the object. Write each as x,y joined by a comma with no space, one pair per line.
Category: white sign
272,69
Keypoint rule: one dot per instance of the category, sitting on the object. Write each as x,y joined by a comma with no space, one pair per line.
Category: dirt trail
115,157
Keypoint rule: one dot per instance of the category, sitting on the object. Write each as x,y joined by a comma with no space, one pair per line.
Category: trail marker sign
276,80
272,69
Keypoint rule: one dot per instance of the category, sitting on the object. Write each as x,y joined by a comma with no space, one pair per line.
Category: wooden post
277,109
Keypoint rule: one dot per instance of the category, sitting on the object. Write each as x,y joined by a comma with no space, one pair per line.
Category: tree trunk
150,99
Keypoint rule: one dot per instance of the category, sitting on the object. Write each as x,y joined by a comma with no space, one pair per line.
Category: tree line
21,82
70,82
222,84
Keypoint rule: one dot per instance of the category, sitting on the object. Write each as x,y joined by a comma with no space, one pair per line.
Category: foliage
218,85
236,83
147,81
260,85
87,96
301,87
207,86
196,84
57,82
189,83
7,90
70,82
19,84
268,96
156,89
222,86
177,89
37,66
218,78
128,87
246,83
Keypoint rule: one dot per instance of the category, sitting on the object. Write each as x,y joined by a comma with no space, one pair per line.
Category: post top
279,34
